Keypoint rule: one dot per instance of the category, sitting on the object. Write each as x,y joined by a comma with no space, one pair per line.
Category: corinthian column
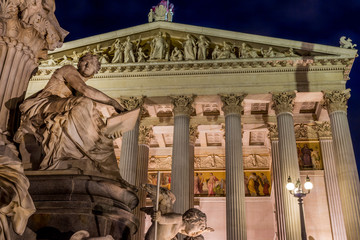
129,146
23,42
278,182
332,187
180,166
145,135
283,106
194,134
235,189
336,104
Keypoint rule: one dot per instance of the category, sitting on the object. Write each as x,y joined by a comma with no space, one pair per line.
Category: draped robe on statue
67,127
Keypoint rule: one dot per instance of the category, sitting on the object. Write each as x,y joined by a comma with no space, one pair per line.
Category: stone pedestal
348,177
283,105
180,175
235,188
67,202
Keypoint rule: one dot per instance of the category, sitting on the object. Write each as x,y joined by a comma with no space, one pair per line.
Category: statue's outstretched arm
80,86
168,218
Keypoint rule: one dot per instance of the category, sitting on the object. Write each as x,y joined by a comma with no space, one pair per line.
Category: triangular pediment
221,44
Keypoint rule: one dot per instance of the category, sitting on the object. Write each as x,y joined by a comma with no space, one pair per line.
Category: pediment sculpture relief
63,127
163,47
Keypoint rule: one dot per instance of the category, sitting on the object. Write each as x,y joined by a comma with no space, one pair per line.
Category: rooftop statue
346,43
63,122
164,11
192,223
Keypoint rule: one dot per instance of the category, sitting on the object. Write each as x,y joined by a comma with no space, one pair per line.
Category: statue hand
156,216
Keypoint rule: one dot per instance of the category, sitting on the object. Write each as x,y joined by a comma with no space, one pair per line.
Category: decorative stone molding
323,130
273,132
336,100
160,163
33,23
132,103
301,131
183,104
283,102
256,161
145,134
232,103
194,133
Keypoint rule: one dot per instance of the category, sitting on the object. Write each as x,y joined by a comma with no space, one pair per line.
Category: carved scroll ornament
283,102
232,103
336,100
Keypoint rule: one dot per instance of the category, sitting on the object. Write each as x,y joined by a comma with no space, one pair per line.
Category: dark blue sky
316,21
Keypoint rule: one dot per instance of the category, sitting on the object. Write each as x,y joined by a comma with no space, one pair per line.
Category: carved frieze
145,134
304,131
160,163
336,100
183,104
323,130
232,103
254,161
283,102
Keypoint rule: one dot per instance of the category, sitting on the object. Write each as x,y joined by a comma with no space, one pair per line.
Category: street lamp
297,191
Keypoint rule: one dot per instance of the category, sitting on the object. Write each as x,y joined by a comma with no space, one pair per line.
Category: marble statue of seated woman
62,126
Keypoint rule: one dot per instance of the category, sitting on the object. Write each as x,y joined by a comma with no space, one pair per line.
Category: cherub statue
216,52
85,235
346,43
141,56
66,122
192,223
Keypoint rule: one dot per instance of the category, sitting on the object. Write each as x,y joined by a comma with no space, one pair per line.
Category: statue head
194,222
88,65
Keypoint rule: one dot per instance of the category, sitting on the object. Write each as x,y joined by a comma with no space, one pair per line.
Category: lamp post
297,191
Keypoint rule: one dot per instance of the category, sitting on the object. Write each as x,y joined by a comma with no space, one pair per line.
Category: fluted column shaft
278,183
180,167
235,188
331,181
283,105
129,147
145,134
194,134
348,178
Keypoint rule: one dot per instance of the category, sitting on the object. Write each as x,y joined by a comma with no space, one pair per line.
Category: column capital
131,103
273,132
193,133
232,103
283,102
336,100
145,134
323,130
183,104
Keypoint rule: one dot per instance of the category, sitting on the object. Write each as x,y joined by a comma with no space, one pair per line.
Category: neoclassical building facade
226,118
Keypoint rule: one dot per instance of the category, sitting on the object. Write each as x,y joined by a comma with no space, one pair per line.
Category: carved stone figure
15,202
85,235
216,52
192,223
65,61
65,122
290,53
176,55
346,43
227,52
158,47
190,48
141,56
203,46
50,61
75,57
116,47
128,51
267,53
151,15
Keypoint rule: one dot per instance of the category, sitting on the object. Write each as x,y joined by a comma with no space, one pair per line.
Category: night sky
315,21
